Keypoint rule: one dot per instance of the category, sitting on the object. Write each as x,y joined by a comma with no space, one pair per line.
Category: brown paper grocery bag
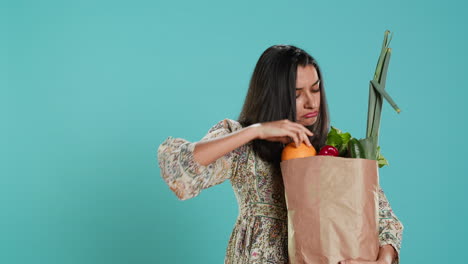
332,209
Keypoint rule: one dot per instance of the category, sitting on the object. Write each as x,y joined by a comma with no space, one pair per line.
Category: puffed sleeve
185,176
390,227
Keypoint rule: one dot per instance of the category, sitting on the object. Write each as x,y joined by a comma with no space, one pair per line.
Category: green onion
387,97
376,94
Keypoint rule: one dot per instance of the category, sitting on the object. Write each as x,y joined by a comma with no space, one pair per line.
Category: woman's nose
313,101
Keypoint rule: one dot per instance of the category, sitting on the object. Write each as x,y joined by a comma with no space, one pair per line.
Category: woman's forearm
206,152
386,254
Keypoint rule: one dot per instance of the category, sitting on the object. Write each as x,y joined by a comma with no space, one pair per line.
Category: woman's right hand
283,131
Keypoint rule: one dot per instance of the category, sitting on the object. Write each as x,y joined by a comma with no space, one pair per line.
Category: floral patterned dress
260,234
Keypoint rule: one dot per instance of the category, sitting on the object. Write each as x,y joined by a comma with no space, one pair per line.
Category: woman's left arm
390,235
390,232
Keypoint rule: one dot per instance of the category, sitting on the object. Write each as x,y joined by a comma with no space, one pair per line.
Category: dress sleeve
185,176
390,227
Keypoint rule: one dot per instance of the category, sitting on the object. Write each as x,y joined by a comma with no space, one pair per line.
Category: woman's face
307,95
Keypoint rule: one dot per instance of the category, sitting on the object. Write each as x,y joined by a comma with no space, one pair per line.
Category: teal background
89,89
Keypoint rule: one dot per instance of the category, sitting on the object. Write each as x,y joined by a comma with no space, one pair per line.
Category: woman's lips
311,114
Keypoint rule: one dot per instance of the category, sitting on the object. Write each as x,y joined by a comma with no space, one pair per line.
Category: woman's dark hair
272,96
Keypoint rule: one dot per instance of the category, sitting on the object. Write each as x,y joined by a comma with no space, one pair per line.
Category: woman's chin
308,121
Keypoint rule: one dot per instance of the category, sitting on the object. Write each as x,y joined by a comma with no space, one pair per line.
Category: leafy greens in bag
351,147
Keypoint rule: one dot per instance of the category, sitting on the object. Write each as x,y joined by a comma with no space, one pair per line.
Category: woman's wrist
255,131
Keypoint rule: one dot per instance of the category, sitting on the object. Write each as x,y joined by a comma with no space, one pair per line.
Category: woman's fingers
284,129
306,139
304,132
307,134
302,135
294,136
305,129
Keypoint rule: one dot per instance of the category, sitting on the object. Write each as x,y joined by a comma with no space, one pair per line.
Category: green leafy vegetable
381,159
338,139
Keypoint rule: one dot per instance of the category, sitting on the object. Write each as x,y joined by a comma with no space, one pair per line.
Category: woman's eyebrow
311,86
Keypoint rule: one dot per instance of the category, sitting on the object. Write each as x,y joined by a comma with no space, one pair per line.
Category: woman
285,102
